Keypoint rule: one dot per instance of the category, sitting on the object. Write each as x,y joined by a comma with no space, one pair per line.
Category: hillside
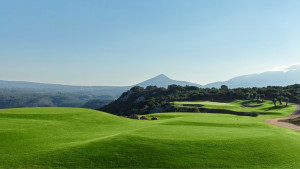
82,138
151,99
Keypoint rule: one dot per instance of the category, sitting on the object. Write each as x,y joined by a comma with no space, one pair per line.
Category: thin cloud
285,68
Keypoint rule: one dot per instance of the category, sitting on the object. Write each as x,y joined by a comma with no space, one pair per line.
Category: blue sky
118,42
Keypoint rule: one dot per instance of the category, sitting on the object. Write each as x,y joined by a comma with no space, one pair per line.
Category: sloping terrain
82,138
139,100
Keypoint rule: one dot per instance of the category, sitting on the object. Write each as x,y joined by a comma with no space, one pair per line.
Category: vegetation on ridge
139,100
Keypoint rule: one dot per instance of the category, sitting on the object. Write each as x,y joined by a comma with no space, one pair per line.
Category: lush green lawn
265,108
80,138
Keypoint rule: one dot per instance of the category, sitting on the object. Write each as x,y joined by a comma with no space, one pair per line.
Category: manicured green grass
265,108
82,138
204,103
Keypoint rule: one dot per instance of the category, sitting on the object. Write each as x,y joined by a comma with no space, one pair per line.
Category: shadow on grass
195,109
192,105
295,121
225,101
248,103
231,125
268,113
274,108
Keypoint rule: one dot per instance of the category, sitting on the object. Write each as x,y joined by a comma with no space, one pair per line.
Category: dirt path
276,122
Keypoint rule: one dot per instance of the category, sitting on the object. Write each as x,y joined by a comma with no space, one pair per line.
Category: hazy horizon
121,43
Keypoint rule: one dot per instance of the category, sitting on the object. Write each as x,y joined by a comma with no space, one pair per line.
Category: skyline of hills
283,77
29,94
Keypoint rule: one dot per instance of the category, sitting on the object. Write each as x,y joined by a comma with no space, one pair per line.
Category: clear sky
123,42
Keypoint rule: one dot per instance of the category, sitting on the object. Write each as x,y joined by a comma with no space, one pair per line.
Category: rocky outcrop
125,98
155,118
144,118
141,98
134,116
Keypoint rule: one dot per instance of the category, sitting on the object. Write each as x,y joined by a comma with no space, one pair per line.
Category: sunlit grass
82,138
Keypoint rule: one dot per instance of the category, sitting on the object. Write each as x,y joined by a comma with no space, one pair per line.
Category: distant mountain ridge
48,86
159,81
31,94
288,76
285,77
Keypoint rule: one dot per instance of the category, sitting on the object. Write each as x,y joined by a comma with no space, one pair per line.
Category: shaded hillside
152,99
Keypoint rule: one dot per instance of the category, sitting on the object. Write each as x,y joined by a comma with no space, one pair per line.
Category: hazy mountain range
113,91
30,94
285,76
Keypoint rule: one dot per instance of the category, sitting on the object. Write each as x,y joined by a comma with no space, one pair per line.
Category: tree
174,87
254,95
286,101
262,96
274,102
248,95
257,98
280,98
224,87
191,88
137,89
151,87
151,102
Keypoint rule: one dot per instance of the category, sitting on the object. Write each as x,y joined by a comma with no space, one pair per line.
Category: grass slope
262,108
80,138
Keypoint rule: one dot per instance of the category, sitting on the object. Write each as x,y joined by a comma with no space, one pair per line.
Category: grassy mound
81,138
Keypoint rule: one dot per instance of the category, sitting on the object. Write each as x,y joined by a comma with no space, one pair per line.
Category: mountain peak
161,76
164,81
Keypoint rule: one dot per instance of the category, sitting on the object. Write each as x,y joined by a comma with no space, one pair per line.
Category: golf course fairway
83,138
